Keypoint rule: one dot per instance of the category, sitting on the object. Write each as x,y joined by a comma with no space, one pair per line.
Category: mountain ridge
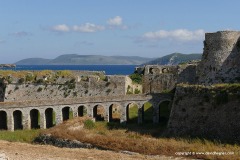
75,59
174,59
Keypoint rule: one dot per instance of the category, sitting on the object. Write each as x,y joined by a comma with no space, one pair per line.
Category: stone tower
221,58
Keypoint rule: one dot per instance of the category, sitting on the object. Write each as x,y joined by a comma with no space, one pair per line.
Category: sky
147,28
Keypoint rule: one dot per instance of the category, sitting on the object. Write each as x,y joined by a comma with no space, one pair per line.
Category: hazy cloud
21,34
86,43
112,23
61,28
116,21
88,28
179,35
2,41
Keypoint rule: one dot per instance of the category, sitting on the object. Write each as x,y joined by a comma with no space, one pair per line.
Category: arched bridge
47,113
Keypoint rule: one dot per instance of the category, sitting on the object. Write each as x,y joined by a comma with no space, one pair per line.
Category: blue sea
109,69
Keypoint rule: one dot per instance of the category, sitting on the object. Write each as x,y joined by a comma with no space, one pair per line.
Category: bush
40,81
136,91
108,90
39,89
136,78
89,124
21,80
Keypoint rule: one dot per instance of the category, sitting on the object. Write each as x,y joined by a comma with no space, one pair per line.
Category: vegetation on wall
136,78
217,94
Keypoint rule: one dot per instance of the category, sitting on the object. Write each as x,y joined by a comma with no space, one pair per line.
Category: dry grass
124,139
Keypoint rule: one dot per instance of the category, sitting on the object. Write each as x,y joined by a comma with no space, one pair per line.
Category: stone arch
3,120
50,117
67,113
114,113
35,119
17,119
82,111
99,112
147,112
164,111
132,112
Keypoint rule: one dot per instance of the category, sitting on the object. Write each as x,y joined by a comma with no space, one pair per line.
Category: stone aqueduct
39,114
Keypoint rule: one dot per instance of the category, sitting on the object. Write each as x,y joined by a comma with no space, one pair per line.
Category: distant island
175,59
74,59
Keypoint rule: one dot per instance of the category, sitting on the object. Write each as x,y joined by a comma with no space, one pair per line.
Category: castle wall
92,86
157,79
209,112
187,73
220,61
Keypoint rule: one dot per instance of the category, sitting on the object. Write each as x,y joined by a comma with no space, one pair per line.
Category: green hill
74,59
174,59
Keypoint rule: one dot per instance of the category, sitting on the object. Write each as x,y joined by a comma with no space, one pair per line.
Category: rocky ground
24,151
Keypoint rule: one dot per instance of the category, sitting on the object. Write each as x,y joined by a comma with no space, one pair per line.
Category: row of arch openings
98,114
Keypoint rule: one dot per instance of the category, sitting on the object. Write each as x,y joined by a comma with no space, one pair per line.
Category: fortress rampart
220,61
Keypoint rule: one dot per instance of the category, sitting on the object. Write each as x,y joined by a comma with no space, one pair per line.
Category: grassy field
145,139
19,135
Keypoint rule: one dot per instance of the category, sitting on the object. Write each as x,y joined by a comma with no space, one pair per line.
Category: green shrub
137,91
136,78
39,81
21,80
29,77
89,124
39,89
108,90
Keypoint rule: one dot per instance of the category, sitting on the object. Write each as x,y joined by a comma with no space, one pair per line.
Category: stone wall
157,79
187,73
2,92
65,88
220,61
209,112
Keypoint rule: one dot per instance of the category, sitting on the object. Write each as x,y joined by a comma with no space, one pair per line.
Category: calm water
109,69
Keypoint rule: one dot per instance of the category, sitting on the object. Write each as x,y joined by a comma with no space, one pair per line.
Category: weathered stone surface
93,86
209,112
220,61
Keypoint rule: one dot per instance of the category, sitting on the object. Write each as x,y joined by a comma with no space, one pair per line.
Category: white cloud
179,35
88,27
61,28
116,21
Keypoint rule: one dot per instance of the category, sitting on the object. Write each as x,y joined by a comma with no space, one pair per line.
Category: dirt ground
24,151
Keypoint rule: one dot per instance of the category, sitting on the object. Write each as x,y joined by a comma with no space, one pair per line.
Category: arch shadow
3,120
82,111
99,113
50,117
17,119
114,113
67,113
35,119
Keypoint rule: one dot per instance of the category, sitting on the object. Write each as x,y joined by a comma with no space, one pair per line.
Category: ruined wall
187,73
209,112
2,91
131,87
157,79
66,88
220,61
